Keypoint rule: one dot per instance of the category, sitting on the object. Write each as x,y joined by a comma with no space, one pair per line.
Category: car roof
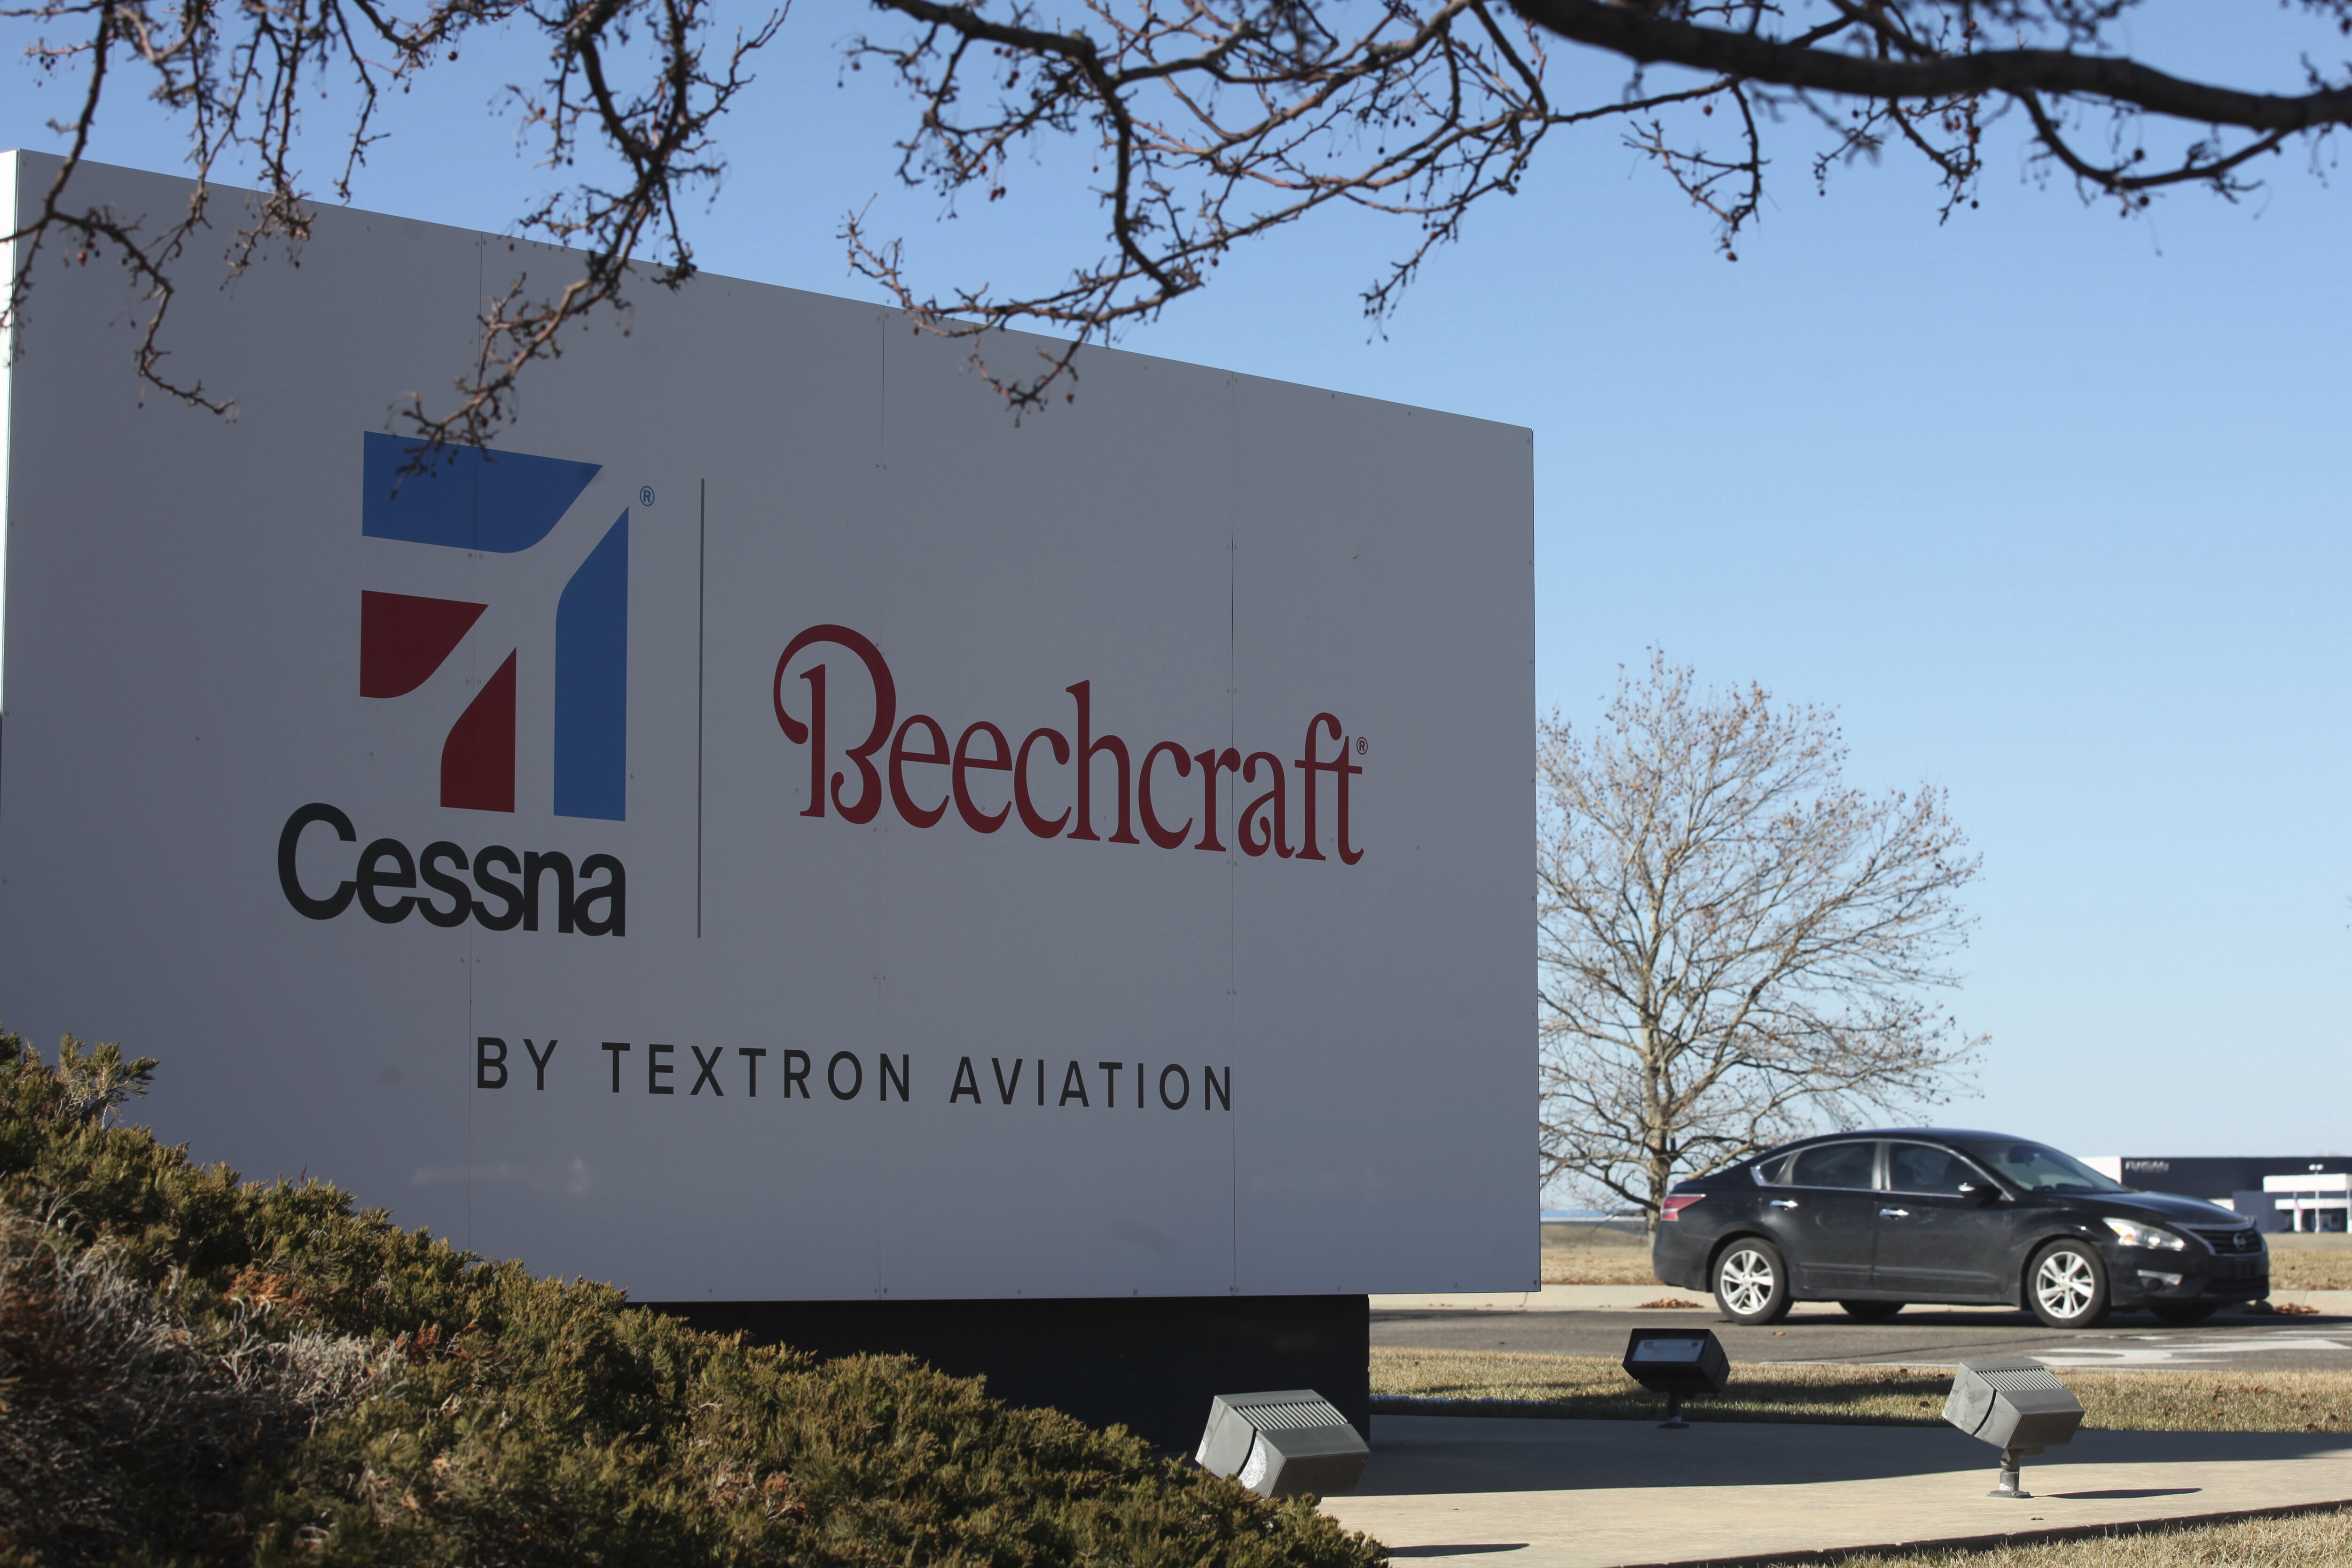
1938,1135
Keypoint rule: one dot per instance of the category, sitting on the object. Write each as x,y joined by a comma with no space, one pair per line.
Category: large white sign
773,828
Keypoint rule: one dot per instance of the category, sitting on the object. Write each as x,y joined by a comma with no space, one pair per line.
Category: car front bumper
2142,1278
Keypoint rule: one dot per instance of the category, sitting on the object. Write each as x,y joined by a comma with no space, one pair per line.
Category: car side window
1922,1168
1849,1166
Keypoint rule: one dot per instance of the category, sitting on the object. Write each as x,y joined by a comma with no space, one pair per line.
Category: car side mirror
1982,1192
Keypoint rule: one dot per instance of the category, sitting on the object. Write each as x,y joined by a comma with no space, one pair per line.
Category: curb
2324,1305
1546,1410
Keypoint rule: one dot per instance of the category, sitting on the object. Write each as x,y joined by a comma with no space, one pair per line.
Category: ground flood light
1283,1443
1676,1362
2019,1407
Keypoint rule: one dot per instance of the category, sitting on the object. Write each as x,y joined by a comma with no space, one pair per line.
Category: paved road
1922,1336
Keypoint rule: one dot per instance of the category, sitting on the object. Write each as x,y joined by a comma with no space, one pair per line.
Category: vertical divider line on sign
1234,394
701,606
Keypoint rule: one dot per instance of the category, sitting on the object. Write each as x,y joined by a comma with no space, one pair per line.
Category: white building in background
2282,1193
2311,1200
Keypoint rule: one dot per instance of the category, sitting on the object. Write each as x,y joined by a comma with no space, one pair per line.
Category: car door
1934,1242
1823,1211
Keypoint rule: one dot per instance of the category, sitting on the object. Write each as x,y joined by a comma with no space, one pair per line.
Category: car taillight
1674,1207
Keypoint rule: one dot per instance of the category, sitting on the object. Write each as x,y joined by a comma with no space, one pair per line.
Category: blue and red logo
475,498
496,503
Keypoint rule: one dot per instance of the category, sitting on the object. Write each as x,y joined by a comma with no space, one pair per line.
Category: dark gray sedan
1873,1220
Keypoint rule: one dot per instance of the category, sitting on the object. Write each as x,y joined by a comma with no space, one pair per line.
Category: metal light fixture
2019,1407
1675,1362
1283,1443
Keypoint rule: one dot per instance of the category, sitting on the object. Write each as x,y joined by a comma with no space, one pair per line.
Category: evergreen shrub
198,1370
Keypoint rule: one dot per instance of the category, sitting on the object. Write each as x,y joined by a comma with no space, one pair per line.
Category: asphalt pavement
1920,1336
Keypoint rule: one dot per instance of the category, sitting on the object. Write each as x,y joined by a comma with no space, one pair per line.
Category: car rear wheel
1870,1311
2066,1286
1751,1283
2183,1312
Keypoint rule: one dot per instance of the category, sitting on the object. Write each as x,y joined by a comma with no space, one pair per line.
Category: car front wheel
1751,1283
2067,1286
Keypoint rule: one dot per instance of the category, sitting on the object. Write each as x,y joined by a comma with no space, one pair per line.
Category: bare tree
1736,945
1202,124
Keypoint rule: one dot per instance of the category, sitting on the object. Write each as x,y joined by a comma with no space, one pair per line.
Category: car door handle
1897,1213
1782,1203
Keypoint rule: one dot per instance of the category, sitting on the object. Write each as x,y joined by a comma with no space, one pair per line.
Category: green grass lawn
1596,1389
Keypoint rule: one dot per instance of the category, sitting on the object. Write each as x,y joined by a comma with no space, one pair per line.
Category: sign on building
773,827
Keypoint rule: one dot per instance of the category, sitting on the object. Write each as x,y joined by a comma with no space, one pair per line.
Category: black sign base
1148,1363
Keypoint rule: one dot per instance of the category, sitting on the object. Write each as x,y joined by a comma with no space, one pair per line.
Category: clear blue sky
2049,505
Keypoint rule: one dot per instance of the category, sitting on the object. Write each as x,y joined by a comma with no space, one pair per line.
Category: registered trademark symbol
1362,745
645,496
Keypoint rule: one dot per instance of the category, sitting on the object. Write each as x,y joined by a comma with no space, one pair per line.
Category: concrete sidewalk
1623,1298
1515,1493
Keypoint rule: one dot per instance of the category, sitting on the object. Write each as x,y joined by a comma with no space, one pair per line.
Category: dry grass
1595,1233
2299,1541
1597,1266
2304,1269
1596,1389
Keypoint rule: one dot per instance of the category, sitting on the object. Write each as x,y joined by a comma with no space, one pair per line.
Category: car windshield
2037,1167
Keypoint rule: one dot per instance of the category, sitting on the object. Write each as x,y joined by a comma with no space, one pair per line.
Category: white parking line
2161,1350
2106,1350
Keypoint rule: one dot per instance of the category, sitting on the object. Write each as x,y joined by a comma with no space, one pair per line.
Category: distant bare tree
1734,945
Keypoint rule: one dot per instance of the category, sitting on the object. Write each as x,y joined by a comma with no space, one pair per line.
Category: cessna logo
503,503
520,889
490,503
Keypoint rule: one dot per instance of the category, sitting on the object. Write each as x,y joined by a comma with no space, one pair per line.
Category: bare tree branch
1202,125
1221,120
628,75
1653,38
